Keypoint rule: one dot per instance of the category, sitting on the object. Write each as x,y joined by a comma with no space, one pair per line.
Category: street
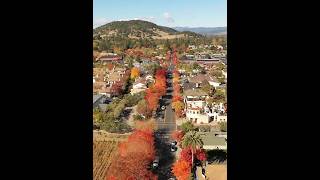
165,128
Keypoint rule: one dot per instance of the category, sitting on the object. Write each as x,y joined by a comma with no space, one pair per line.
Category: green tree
206,87
187,126
193,140
223,126
219,96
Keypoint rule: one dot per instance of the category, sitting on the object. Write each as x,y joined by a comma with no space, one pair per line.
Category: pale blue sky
171,13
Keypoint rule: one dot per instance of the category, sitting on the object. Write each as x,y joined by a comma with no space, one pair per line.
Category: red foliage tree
176,98
186,155
154,92
181,169
135,155
110,66
151,98
177,135
117,87
201,155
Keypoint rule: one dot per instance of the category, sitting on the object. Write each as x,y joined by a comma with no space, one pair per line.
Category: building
139,85
195,101
98,99
109,57
200,78
188,85
221,118
198,111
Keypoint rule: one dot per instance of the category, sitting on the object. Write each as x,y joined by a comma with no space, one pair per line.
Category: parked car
173,148
173,143
163,107
155,163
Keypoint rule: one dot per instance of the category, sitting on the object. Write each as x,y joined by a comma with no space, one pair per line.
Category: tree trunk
192,157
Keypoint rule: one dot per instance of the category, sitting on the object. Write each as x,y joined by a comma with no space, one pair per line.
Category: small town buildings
98,99
139,85
195,101
200,78
108,57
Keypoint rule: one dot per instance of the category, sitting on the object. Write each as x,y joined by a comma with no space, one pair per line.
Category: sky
171,13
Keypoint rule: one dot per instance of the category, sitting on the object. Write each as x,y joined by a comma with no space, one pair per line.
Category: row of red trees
134,157
153,94
155,91
177,100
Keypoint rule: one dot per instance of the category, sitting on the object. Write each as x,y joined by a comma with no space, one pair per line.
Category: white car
155,163
163,107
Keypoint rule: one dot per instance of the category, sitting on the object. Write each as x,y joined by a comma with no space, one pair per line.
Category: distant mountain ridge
207,31
136,29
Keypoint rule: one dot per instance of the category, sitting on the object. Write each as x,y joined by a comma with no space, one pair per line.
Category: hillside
207,31
136,29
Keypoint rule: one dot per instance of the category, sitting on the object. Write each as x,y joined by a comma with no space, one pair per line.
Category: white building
195,101
139,86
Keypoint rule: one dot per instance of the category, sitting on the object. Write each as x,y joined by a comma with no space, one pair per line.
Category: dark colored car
173,148
173,143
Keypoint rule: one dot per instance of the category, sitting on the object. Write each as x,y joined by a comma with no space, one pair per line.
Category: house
98,99
102,89
198,111
195,101
221,118
108,57
207,60
188,85
139,85
149,78
99,74
198,79
113,78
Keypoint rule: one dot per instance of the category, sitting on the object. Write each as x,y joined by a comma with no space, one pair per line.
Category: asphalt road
166,126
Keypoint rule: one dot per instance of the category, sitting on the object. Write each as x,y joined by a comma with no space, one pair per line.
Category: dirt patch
103,152
214,172
105,147
105,136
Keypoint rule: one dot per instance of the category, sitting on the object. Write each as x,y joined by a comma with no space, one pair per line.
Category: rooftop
201,77
194,92
96,97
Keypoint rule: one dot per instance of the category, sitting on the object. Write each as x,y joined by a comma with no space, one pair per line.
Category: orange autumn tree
135,72
178,107
177,135
110,66
134,156
154,92
152,98
182,170
177,104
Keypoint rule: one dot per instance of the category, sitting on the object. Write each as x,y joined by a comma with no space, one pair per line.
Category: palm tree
193,140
